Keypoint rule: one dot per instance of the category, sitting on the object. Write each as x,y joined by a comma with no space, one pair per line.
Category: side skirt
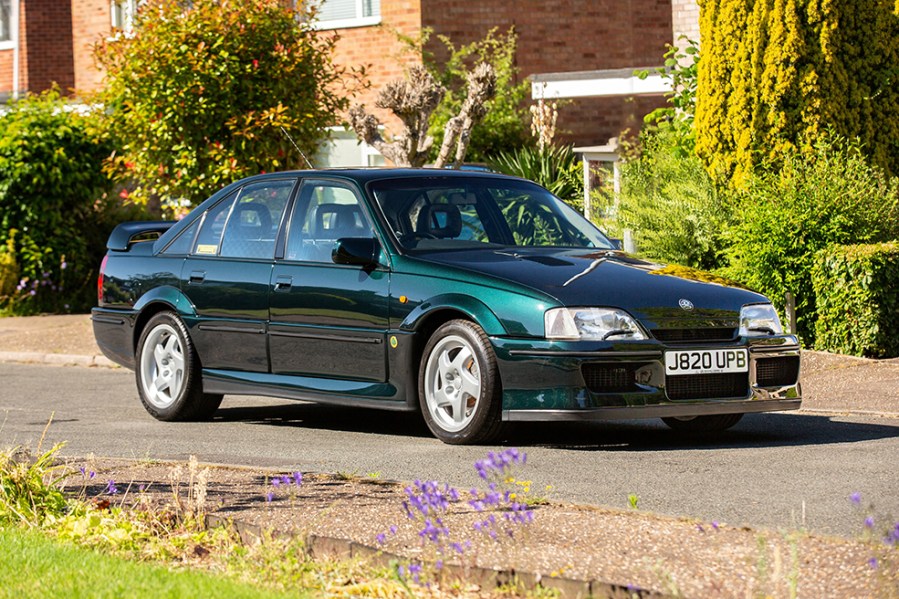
303,388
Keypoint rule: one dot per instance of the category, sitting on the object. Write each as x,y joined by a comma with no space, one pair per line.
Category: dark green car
475,298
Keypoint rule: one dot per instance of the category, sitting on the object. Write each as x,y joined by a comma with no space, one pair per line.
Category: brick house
582,50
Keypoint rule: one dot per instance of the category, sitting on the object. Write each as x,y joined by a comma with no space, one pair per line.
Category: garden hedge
857,301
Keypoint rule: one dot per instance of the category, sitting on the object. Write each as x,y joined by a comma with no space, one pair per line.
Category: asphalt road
767,471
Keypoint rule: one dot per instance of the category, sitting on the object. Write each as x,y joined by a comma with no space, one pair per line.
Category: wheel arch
159,300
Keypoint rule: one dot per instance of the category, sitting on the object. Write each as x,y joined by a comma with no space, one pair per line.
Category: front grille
610,378
706,335
777,372
707,386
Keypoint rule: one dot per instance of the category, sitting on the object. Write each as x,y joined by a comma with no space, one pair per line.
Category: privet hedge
858,307
777,72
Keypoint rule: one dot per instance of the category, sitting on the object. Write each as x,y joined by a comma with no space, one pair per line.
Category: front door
327,320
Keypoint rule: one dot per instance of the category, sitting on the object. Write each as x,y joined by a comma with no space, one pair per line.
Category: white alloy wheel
452,383
162,366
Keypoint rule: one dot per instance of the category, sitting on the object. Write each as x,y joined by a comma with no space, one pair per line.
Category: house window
338,14
5,21
122,13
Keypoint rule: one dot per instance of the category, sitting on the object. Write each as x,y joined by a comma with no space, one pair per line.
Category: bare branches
414,100
481,88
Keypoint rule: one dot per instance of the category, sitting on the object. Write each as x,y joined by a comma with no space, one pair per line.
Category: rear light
100,280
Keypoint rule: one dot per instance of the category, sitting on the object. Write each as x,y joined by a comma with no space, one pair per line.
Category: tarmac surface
831,383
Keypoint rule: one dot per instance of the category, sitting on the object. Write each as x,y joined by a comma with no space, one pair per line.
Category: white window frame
357,21
13,25
124,25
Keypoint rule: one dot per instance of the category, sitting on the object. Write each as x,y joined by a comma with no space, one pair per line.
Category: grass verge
55,569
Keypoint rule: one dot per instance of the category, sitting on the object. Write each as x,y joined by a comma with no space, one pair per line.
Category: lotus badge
685,304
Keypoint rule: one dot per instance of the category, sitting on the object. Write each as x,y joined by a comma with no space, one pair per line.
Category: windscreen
445,213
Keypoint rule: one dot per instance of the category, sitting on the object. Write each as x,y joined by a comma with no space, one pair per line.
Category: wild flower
111,488
856,498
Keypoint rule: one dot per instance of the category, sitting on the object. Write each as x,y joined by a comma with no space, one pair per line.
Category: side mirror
358,251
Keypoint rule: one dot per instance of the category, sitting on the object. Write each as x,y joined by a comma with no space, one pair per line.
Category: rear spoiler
125,234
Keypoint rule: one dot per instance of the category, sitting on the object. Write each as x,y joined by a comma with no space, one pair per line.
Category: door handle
197,277
283,282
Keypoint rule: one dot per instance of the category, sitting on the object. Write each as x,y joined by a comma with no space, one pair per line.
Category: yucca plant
556,168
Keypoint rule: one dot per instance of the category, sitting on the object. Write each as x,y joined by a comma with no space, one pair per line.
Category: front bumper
545,380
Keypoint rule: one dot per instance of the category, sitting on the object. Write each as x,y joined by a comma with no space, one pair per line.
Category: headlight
759,320
591,324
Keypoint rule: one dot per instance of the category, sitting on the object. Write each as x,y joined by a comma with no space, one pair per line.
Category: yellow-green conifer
776,73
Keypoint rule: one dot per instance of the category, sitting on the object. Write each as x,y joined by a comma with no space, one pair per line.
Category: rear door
227,275
327,320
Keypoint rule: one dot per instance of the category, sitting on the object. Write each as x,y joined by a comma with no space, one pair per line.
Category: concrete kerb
324,547
98,361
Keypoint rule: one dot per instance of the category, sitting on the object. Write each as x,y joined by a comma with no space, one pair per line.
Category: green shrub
556,168
671,204
858,307
825,196
54,211
199,95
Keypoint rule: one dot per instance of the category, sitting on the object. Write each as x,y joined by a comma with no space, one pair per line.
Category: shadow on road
755,430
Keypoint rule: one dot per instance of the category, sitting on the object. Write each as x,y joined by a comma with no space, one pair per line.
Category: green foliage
857,304
670,202
556,168
505,125
54,209
198,96
29,489
826,195
681,72
777,73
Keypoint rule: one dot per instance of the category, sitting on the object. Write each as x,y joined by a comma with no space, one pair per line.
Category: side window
253,224
184,241
213,224
324,212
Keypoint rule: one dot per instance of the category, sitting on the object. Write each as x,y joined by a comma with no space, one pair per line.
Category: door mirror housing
357,251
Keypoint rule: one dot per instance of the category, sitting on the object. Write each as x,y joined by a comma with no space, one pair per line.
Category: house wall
379,50
47,45
90,24
564,36
684,20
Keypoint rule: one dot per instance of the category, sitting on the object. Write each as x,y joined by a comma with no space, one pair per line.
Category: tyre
458,385
703,424
168,372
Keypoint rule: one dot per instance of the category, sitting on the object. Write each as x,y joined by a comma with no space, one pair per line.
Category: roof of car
364,175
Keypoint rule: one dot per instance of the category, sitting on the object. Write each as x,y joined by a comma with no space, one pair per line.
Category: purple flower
32,293
856,498
873,563
276,482
63,265
285,480
82,470
715,525
869,522
92,474
142,488
381,538
393,530
269,496
298,478
111,488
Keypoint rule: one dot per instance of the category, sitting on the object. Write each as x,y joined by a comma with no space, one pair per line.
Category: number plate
706,361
